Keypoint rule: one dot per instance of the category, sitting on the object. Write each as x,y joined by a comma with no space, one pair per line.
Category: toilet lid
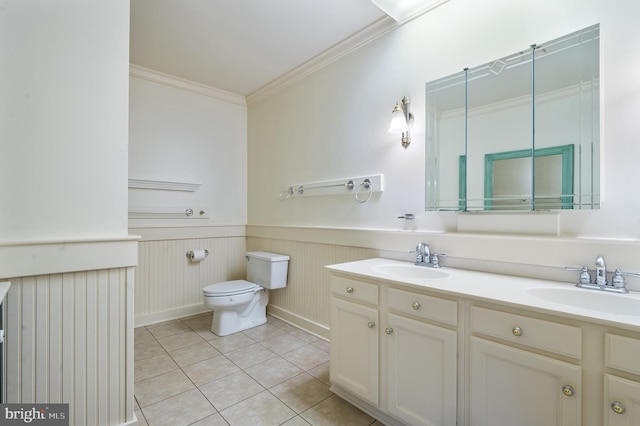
229,288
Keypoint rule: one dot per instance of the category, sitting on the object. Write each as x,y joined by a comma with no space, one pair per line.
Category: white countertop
512,291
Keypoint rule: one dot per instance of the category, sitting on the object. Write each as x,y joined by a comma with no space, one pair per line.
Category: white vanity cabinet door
421,371
510,387
354,348
622,401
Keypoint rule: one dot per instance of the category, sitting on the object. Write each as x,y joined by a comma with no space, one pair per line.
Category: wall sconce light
402,120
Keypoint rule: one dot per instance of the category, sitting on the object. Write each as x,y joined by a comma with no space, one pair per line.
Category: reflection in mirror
508,179
484,124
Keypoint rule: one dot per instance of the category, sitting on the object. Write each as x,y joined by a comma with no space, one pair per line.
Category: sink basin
410,271
593,300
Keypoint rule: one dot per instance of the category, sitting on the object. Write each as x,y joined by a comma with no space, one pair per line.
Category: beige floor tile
273,371
199,321
157,388
154,366
180,341
301,334
230,390
261,409
321,373
193,354
250,355
214,420
210,369
146,349
206,333
182,409
282,325
323,345
166,329
301,392
141,334
141,420
231,342
335,411
282,344
306,357
263,332
296,421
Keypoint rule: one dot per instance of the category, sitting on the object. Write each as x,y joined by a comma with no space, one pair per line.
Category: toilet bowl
242,304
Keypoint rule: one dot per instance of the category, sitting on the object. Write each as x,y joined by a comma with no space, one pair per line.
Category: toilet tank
268,270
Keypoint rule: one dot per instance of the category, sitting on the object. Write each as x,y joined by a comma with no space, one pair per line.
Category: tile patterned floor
274,374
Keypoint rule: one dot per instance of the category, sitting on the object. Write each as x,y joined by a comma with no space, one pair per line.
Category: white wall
64,240
332,124
180,131
179,135
63,112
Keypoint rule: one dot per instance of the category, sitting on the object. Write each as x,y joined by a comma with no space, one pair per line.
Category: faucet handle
435,259
585,277
618,277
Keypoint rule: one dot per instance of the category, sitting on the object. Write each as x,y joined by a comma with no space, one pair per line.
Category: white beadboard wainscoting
168,285
69,339
305,300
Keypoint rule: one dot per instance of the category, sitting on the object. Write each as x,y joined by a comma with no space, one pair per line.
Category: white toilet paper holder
191,254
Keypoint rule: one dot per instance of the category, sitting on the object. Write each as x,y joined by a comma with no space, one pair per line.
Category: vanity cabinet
621,395
511,384
471,350
421,358
403,340
355,338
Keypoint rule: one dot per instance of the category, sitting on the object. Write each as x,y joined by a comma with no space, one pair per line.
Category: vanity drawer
622,353
545,335
355,290
423,306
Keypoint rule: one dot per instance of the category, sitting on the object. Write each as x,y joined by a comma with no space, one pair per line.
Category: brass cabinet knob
517,331
415,306
568,390
349,290
371,324
388,330
618,407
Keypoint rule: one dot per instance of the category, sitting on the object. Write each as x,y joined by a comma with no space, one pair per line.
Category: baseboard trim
374,412
172,314
133,422
296,320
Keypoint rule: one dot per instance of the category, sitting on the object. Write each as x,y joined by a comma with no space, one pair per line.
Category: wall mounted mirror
518,133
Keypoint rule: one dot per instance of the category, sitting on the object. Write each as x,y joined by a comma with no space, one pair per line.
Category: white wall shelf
167,212
163,185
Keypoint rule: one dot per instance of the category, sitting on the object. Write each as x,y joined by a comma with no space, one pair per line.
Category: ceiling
240,46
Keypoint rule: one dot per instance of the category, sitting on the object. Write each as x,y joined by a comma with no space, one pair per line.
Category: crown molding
379,28
183,84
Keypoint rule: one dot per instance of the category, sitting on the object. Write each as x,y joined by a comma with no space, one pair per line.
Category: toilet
241,304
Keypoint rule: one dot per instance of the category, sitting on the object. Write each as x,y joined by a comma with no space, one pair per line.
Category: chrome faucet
601,271
423,254
424,257
617,284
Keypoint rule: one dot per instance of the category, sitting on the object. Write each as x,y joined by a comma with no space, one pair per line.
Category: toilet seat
230,288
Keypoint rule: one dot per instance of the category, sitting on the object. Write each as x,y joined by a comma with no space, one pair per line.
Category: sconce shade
402,120
398,121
